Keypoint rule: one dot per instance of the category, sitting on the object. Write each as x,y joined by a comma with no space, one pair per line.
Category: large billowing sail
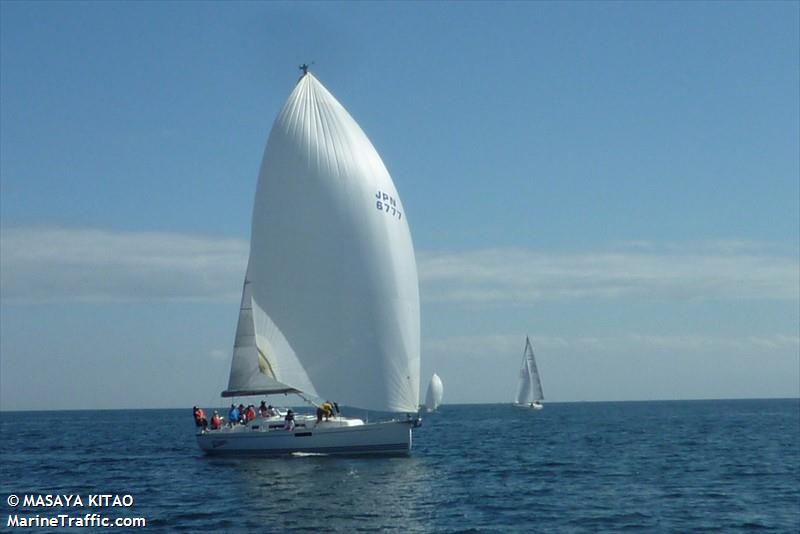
530,386
332,279
433,398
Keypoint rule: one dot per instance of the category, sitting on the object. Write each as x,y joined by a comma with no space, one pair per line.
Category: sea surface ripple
678,466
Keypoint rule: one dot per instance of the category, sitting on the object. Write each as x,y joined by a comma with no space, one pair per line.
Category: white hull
530,406
338,436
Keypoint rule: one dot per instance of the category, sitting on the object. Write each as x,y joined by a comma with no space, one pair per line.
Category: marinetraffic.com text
71,514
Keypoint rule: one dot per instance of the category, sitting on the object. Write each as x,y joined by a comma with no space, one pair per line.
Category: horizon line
706,399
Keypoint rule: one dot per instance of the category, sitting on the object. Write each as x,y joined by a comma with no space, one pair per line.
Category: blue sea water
680,466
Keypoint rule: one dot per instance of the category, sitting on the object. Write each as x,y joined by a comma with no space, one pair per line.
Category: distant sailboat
330,300
529,391
435,391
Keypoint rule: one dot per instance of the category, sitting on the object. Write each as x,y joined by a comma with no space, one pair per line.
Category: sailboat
330,300
529,391
433,398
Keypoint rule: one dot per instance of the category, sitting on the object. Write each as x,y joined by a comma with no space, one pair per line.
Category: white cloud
220,354
41,264
489,347
38,264
723,271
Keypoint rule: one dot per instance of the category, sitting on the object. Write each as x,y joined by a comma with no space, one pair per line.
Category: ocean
677,466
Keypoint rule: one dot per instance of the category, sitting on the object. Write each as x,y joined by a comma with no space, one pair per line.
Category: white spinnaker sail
433,398
333,279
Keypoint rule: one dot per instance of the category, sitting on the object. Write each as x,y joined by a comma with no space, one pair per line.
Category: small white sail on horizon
433,398
529,389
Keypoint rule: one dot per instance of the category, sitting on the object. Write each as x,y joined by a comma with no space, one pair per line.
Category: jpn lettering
387,204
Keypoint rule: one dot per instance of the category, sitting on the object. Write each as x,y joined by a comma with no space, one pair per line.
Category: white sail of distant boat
433,398
330,300
529,390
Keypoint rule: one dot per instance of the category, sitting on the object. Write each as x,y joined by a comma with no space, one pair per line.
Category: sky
620,181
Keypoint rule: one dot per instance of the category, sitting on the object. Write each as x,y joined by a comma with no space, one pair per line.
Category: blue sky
620,181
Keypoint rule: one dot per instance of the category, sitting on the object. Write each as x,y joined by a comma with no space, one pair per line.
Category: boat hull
529,406
386,438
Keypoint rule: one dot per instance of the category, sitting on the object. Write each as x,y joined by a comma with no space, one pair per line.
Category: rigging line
309,401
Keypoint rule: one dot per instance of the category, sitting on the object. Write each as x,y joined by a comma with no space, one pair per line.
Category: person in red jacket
200,418
250,413
216,422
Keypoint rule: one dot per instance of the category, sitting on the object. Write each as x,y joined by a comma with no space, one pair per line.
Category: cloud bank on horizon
39,264
701,302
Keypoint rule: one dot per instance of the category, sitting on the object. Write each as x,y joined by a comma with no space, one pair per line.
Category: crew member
325,410
216,422
200,418
289,421
233,415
